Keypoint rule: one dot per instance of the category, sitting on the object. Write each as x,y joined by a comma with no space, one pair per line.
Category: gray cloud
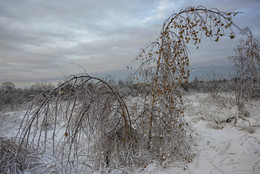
40,37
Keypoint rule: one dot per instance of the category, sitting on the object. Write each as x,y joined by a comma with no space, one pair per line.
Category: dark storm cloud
40,37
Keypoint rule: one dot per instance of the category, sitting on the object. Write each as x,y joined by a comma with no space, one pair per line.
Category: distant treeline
12,98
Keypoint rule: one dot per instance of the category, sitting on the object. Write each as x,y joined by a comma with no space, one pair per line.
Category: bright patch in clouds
161,10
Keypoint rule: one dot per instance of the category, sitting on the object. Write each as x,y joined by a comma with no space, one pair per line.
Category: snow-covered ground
220,146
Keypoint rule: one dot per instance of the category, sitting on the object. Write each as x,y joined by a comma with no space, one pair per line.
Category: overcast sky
39,39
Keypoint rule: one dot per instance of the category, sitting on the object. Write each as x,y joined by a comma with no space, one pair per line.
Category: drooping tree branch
165,63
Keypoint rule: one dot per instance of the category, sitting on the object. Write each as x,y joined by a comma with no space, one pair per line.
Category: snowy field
221,147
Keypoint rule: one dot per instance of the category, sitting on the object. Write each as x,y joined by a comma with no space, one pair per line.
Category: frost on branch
83,123
164,66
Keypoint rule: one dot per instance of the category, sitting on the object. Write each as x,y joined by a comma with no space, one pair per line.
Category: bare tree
246,70
6,95
214,86
81,114
8,86
42,86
